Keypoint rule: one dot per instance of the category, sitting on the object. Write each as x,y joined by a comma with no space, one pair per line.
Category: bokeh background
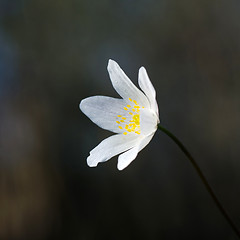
54,53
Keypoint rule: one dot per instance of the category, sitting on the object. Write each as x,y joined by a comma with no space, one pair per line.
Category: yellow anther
136,119
132,124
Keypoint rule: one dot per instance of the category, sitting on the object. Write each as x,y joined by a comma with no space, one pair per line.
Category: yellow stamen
136,119
131,125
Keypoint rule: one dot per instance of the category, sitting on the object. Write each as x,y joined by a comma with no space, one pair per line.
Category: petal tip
91,162
92,165
82,105
111,63
142,71
120,167
142,68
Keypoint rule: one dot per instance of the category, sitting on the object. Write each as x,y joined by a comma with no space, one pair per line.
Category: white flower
134,117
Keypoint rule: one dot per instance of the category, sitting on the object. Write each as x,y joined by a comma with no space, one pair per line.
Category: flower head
133,118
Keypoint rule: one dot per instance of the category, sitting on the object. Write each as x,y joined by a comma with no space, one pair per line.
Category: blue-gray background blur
54,53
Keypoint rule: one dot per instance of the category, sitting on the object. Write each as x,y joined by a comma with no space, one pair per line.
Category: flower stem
202,177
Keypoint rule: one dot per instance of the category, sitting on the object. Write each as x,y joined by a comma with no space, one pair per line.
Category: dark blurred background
54,53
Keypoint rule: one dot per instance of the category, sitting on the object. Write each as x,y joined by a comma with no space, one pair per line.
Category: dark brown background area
54,53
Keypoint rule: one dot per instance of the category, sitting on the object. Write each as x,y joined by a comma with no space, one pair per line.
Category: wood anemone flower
134,117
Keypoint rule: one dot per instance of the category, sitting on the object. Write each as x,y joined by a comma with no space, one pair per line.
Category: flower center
130,124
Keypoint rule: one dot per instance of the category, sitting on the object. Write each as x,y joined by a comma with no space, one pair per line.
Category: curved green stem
202,177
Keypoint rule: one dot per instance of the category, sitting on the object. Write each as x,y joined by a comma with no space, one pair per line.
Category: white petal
103,111
147,87
126,158
145,141
123,85
110,147
148,121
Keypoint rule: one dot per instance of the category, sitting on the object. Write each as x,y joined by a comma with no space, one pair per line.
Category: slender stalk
204,180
